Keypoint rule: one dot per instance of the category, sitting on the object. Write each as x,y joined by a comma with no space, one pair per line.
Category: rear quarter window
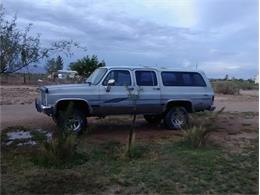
191,79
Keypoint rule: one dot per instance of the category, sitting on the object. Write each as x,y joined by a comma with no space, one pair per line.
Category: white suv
159,93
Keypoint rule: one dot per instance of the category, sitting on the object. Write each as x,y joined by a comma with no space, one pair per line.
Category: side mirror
110,83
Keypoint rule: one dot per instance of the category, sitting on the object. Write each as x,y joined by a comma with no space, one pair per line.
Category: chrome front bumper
45,109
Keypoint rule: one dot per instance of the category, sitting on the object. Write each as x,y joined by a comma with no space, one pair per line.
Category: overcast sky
221,36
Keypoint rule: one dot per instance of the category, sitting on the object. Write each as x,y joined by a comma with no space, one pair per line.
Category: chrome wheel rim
178,119
74,124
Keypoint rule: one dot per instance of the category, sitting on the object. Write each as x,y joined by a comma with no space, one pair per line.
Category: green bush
232,87
196,136
246,84
199,127
226,87
59,151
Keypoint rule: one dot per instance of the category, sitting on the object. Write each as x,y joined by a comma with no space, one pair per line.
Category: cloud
217,35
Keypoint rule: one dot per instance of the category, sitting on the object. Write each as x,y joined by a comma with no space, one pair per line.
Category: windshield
96,76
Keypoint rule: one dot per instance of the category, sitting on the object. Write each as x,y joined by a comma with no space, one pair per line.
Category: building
257,79
67,74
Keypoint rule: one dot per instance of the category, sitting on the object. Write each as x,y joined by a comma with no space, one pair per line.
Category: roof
159,68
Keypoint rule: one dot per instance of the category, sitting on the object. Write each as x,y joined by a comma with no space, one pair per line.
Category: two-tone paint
151,99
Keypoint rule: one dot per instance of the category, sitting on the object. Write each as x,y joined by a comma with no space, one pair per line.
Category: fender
72,99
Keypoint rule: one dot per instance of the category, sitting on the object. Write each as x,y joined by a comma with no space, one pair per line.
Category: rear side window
122,77
191,79
146,78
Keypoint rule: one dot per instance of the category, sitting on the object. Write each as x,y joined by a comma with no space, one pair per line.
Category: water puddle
19,135
23,138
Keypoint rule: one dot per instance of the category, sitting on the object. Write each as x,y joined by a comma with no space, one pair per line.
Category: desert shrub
62,148
196,136
205,119
246,84
226,87
199,127
59,152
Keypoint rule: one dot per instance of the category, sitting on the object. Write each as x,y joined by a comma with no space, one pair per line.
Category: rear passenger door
149,91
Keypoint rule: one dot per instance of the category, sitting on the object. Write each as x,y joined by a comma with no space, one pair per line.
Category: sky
219,36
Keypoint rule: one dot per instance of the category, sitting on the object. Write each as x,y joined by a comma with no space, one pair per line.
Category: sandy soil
246,102
235,131
13,94
24,115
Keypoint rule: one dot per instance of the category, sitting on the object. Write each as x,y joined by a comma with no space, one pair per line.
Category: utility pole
196,66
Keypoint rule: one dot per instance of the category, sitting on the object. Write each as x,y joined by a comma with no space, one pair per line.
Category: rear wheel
153,119
75,121
176,118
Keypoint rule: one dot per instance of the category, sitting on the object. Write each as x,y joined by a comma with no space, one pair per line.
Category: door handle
156,88
130,88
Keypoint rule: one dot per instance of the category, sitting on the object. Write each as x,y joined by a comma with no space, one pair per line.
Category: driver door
115,98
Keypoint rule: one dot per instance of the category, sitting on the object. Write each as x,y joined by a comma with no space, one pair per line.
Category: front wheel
75,121
176,118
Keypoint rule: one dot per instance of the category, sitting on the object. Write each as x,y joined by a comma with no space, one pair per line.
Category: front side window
146,78
121,77
191,79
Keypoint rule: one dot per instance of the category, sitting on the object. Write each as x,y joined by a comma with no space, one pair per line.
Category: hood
69,88
66,86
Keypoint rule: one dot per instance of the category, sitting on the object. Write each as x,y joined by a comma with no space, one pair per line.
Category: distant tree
86,65
226,77
251,80
19,49
53,65
59,63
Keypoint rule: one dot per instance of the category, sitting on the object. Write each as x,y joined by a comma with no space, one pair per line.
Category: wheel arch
78,102
187,104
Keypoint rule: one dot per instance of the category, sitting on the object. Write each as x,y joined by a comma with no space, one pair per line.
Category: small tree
53,65
86,65
133,97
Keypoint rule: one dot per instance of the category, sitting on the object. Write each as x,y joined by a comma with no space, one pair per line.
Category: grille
43,98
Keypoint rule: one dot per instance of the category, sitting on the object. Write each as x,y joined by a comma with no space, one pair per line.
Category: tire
76,121
176,118
153,119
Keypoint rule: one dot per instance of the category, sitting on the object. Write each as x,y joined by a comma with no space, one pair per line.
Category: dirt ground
238,123
13,94
247,101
